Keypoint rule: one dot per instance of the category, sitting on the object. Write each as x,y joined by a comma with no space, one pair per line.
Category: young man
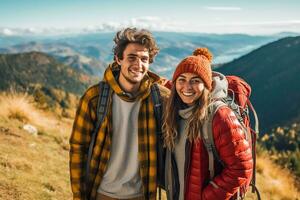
123,158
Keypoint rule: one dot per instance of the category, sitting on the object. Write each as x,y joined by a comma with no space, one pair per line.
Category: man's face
134,65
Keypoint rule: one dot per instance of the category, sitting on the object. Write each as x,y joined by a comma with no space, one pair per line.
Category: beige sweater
121,178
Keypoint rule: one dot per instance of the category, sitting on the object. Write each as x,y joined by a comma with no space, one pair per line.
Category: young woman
187,175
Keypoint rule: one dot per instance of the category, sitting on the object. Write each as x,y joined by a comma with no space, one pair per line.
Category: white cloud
7,32
153,23
222,8
261,27
145,19
159,24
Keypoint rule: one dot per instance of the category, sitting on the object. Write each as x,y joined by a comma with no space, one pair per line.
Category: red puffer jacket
234,151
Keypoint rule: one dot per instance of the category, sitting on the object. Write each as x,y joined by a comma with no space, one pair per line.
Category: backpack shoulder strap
156,98
207,136
157,103
102,105
101,112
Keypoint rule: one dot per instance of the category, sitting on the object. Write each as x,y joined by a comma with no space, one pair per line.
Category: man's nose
138,62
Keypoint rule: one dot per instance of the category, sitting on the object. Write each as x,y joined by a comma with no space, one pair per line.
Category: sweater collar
111,75
187,112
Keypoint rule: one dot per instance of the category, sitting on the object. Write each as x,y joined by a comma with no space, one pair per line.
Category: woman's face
189,87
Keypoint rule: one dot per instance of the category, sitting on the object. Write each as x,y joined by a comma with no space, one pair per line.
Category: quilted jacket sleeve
235,151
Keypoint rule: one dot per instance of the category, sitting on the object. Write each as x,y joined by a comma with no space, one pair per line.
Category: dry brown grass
18,106
21,107
275,182
32,167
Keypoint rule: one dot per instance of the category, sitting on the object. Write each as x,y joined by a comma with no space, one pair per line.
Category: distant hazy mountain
63,52
273,72
34,69
92,52
225,47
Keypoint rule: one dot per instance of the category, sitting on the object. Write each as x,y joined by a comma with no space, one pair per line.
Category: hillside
33,68
273,72
35,166
32,166
283,146
68,54
54,86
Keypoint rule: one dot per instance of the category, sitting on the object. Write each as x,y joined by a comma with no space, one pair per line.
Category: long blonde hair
171,117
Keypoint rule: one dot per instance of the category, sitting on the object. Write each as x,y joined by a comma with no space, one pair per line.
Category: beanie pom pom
203,52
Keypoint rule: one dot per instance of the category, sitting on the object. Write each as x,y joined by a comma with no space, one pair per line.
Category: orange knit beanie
199,63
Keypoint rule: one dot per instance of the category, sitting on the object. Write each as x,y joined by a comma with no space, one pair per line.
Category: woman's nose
188,85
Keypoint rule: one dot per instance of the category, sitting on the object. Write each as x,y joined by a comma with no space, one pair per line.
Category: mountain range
273,73
53,85
36,68
64,53
92,52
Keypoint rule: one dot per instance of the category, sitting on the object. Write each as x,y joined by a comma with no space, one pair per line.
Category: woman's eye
195,81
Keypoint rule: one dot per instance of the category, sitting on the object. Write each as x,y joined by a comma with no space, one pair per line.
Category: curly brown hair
134,35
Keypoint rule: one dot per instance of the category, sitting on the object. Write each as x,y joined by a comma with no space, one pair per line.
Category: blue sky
214,16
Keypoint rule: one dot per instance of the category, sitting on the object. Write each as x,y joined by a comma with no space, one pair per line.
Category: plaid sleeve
79,142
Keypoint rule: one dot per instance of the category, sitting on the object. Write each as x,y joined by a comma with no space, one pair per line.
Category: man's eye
145,59
131,59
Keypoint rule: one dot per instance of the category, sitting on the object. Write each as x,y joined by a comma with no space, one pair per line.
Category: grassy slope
33,167
36,167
